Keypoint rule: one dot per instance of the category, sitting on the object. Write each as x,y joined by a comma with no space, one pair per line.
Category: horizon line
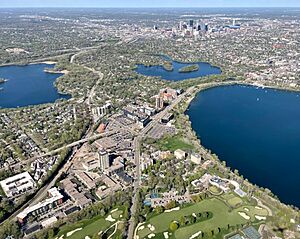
165,7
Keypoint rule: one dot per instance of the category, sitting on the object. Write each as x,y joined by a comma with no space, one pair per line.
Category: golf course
223,215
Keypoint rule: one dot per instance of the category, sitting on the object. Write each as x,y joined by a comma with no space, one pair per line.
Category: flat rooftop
17,184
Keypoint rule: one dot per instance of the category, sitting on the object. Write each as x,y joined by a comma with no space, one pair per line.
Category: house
179,154
196,158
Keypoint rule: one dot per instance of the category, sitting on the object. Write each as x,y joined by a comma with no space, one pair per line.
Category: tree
182,220
173,226
170,205
159,209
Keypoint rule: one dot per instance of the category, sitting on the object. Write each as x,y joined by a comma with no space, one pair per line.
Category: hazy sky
149,3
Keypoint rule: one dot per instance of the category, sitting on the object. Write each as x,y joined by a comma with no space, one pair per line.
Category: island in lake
189,68
168,66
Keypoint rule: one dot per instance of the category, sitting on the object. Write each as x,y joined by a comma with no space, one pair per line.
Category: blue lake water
204,70
28,85
256,131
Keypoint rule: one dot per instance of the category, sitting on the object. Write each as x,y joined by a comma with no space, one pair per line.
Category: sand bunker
246,209
195,235
166,235
173,209
259,208
141,228
244,215
151,227
72,232
110,219
260,218
151,235
114,210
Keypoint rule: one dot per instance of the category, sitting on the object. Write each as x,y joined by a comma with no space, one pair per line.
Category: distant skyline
148,3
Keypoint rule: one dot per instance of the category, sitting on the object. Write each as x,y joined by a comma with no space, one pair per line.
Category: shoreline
188,101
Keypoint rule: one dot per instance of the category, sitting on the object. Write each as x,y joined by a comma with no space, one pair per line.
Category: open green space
89,226
222,216
174,142
215,190
232,200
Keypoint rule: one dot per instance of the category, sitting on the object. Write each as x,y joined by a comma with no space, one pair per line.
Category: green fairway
89,226
221,218
174,142
235,201
91,229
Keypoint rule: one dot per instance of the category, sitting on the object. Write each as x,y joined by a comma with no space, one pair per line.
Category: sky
149,3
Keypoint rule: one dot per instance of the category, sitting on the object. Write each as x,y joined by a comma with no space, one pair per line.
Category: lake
256,131
205,69
28,85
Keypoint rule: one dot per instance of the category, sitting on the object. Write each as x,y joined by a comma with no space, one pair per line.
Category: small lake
205,69
28,85
256,131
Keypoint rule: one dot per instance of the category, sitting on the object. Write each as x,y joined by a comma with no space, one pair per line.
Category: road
137,146
42,192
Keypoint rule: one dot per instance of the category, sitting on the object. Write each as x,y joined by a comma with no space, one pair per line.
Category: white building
196,158
17,184
55,198
146,162
101,111
104,160
179,154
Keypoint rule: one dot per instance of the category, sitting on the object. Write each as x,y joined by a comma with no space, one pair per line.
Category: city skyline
147,3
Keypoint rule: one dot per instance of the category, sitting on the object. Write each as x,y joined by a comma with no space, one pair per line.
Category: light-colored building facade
18,184
55,198
196,158
104,160
179,154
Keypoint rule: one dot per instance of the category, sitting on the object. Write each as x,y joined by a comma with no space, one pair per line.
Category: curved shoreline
209,86
46,70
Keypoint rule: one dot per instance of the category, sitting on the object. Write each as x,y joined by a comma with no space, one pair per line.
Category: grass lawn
174,142
215,190
89,226
91,229
235,201
116,215
251,211
221,217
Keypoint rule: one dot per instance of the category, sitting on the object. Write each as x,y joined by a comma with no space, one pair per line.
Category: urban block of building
18,184
55,198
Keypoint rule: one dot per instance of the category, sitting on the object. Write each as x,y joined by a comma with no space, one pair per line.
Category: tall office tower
104,160
233,22
206,27
159,102
181,25
198,27
191,23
